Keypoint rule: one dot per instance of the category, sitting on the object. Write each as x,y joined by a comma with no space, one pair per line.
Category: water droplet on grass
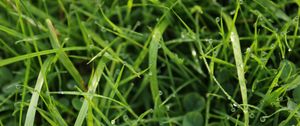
138,23
235,105
251,115
227,118
217,19
18,86
81,99
248,49
290,50
241,1
183,35
89,36
173,95
210,41
296,19
232,109
168,107
262,119
194,53
113,122
160,93
232,12
125,117
103,29
159,46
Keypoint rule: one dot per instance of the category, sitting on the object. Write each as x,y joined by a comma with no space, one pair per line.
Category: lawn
149,62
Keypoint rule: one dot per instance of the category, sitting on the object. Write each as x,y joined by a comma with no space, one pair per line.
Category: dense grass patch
149,62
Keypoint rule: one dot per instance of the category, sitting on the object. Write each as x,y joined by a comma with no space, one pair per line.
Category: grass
149,62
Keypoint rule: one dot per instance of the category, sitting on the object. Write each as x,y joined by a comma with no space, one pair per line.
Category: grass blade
35,95
63,57
239,62
35,54
153,50
93,84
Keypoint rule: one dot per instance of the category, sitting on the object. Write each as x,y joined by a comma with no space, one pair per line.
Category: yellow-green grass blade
63,57
8,61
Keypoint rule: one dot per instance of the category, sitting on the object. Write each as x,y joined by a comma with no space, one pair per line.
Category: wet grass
149,62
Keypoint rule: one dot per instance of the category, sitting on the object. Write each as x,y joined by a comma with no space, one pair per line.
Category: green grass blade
63,57
239,63
35,54
93,84
30,116
153,56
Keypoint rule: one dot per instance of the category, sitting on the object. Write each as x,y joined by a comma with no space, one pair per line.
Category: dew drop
61,92
251,115
210,41
248,50
66,39
113,122
103,29
290,50
183,35
125,117
272,46
168,107
241,1
150,74
235,105
173,95
157,19
232,109
215,52
91,46
81,99
154,36
138,23
89,36
241,66
262,119
159,46
194,53
228,98
232,12
151,110
18,86
296,19
227,118
160,93
217,19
